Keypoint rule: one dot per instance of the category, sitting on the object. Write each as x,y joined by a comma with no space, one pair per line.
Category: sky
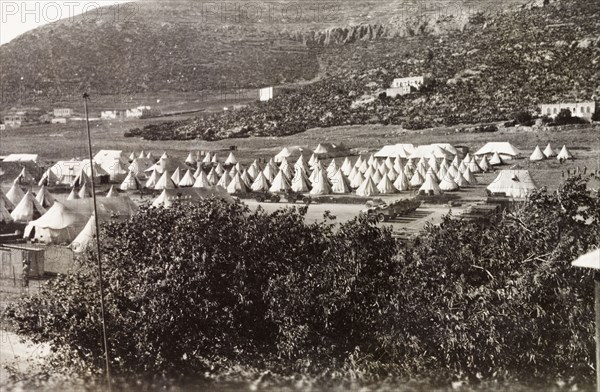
20,16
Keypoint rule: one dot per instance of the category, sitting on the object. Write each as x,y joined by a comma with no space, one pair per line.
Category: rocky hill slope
187,45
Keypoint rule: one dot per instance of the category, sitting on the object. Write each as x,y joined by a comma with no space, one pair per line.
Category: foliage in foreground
193,290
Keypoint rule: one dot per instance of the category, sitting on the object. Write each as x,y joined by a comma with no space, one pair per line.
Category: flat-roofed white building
578,109
62,112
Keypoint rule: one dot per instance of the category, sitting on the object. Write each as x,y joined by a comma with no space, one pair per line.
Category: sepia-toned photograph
300,195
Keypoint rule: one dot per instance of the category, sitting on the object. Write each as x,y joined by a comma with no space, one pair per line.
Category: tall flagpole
100,283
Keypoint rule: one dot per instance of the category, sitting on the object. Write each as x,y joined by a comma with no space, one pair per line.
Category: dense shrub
192,288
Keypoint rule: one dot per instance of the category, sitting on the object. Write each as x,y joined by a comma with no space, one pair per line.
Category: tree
205,288
523,118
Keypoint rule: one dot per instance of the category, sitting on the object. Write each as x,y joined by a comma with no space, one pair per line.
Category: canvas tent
44,197
430,185
15,194
22,158
49,178
65,219
27,209
68,171
5,216
505,150
189,195
113,162
427,151
512,183
564,154
85,238
395,150
5,202
537,155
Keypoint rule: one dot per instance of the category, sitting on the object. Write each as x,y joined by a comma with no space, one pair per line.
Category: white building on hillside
579,109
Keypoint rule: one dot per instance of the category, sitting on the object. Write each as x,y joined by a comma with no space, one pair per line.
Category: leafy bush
523,118
198,288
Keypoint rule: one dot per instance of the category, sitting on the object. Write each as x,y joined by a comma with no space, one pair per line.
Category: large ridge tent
505,150
395,150
66,172
514,183
114,162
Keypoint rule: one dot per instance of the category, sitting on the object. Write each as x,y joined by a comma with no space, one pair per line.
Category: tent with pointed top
321,186
460,180
367,188
340,183
474,167
165,182
24,178
139,166
564,154
346,166
224,180
417,180
28,209
5,216
85,238
202,181
85,191
191,160
49,178
207,158
392,174
73,195
44,197
237,185
469,176
112,192
386,186
168,164
514,183
448,185
484,164
187,179
549,152
246,178
189,196
152,180
176,177
496,160
132,156
6,202
65,219
231,159
213,177
537,155
357,180
300,182
15,194
280,183
430,185
130,183
401,183
261,183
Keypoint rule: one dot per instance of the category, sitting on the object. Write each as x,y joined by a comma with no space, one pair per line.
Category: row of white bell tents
539,155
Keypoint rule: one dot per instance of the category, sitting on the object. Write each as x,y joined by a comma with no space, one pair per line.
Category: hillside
493,68
186,46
